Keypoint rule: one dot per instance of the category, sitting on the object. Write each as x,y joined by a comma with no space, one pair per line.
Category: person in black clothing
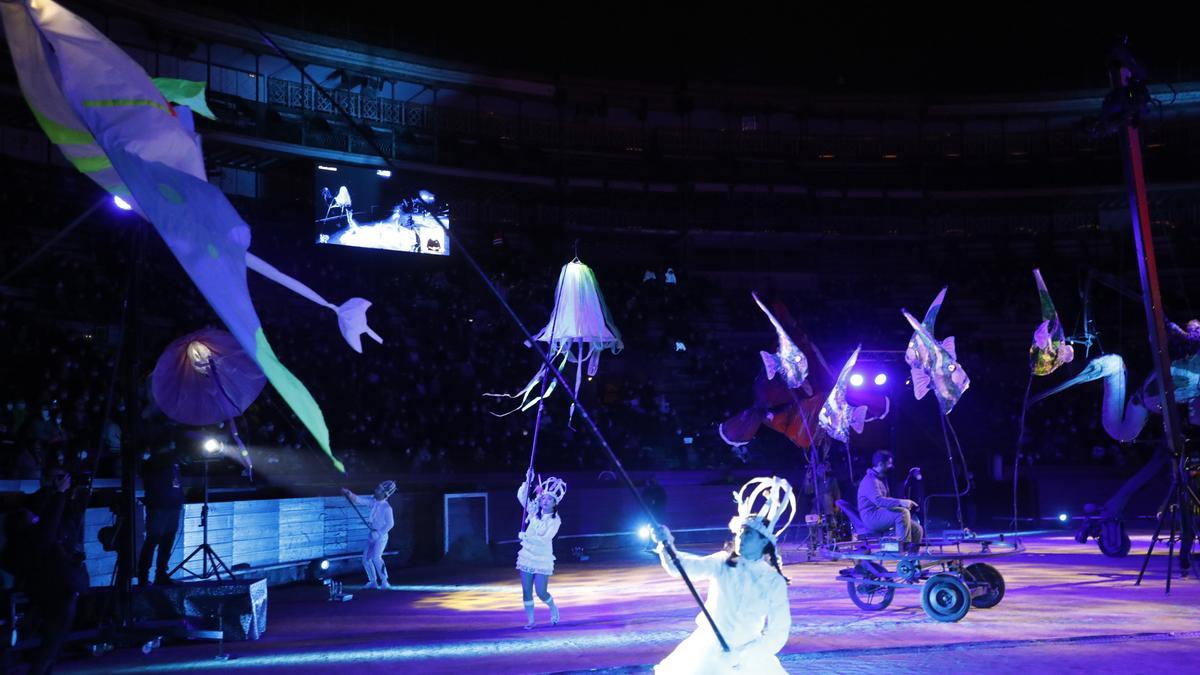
163,487
50,569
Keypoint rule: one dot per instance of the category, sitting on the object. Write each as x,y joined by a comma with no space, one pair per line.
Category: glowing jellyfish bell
200,356
579,330
204,378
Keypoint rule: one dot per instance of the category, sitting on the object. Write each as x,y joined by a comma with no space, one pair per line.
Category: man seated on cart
881,513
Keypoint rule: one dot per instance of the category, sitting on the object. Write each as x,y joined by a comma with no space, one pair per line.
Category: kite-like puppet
205,378
134,137
1050,348
933,364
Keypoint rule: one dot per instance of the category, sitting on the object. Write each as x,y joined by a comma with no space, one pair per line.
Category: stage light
326,168
856,380
1062,517
318,569
880,379
122,204
644,533
383,173
212,445
427,196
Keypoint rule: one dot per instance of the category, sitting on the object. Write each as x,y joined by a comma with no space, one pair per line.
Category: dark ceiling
889,48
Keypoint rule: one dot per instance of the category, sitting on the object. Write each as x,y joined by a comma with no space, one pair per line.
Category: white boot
529,615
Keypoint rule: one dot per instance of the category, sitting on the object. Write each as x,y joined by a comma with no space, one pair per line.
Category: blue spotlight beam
543,355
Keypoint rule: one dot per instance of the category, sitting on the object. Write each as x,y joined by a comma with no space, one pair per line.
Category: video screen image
368,208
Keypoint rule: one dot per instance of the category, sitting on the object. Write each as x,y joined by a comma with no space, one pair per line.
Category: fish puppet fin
921,382
858,418
772,363
742,427
1041,336
948,345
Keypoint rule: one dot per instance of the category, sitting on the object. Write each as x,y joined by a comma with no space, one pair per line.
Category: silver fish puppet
787,360
934,364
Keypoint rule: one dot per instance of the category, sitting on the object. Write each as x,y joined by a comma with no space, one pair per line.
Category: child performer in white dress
535,560
747,592
379,522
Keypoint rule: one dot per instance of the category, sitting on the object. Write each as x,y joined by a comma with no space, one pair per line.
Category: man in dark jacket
163,487
881,513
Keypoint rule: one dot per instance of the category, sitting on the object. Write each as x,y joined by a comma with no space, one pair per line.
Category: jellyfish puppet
579,330
1050,348
206,377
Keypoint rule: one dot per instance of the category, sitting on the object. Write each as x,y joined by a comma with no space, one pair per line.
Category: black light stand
210,563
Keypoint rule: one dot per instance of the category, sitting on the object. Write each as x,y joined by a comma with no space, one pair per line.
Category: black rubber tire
945,597
868,596
1114,549
985,574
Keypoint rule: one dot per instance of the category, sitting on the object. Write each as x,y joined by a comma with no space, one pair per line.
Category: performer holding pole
379,523
535,560
747,592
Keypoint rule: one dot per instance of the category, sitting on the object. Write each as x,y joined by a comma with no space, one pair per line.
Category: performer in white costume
747,592
535,560
380,523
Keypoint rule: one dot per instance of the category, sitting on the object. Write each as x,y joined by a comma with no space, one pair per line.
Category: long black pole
131,440
544,356
1143,237
1124,83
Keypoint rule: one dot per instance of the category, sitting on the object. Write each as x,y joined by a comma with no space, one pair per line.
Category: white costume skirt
700,654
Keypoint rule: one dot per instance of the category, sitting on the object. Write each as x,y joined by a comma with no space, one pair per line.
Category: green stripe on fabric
60,134
124,103
90,164
294,393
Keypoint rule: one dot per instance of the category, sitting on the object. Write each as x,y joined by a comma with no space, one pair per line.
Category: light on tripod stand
212,446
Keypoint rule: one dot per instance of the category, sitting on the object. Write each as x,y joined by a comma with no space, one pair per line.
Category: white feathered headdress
387,487
768,520
554,486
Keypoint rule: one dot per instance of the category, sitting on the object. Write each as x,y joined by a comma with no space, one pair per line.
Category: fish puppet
934,364
1050,347
837,416
787,361
778,408
791,410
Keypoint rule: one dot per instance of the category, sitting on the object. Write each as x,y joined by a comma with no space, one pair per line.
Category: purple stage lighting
856,380
122,204
880,379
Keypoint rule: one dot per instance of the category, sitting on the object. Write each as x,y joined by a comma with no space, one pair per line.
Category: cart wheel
869,596
945,597
1114,541
985,575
